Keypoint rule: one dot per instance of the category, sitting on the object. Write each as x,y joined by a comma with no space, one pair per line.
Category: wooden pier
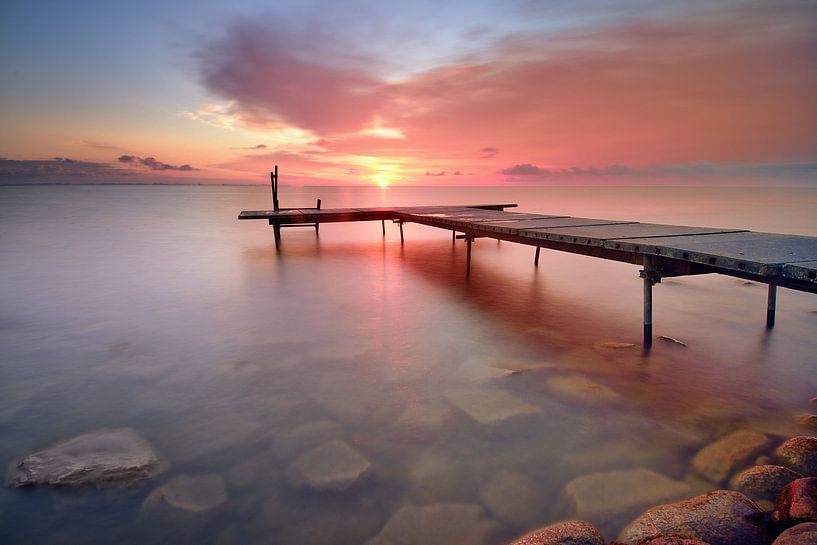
788,261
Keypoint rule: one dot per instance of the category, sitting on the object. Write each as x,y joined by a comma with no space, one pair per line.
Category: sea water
154,308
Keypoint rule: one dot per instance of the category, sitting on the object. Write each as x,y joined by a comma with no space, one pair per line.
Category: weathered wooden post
383,224
771,306
536,259
274,183
400,222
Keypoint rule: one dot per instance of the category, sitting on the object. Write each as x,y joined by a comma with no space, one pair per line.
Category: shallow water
154,308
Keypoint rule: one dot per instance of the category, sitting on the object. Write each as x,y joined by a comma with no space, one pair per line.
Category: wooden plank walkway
663,250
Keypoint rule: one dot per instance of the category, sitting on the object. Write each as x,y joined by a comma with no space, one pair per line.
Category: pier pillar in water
468,241
276,231
401,231
771,306
651,275
536,259
383,224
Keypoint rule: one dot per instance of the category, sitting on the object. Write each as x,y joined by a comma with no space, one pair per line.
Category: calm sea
154,308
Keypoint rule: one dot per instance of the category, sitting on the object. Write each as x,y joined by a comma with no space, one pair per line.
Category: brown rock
438,524
582,390
570,532
673,540
513,499
802,534
800,454
797,502
106,457
720,459
332,466
722,517
610,498
808,420
192,494
763,482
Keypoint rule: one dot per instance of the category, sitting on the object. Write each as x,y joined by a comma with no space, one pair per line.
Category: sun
384,175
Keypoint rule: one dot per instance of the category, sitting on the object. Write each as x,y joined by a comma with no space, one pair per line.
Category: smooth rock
583,390
800,454
802,534
797,502
717,461
105,457
438,524
287,446
672,340
808,420
611,498
513,499
427,416
570,532
490,406
674,540
188,493
437,478
722,517
763,482
614,345
333,466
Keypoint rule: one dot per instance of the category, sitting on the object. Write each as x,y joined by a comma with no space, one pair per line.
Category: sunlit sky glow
463,92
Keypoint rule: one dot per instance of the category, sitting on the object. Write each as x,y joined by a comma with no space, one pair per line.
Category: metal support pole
276,230
651,275
383,224
647,313
468,240
401,232
536,259
771,306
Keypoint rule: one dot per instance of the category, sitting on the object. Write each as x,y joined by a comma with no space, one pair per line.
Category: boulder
490,406
570,532
438,524
286,446
763,482
192,494
673,540
800,454
808,421
513,499
722,517
797,503
718,460
333,466
582,390
611,498
105,457
425,416
802,534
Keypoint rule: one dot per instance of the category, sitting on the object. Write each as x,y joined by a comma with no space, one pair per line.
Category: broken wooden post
771,306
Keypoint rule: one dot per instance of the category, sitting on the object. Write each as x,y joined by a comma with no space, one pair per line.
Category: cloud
487,153
152,164
528,172
526,169
58,169
440,173
256,147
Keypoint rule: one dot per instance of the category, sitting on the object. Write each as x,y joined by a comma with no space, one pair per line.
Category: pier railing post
771,306
468,241
651,275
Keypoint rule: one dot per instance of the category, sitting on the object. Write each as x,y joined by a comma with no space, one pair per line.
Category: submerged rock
797,502
808,420
438,524
287,446
802,534
614,345
608,499
333,466
722,517
672,340
192,494
718,460
582,390
570,532
800,454
513,499
763,482
490,406
112,457
427,416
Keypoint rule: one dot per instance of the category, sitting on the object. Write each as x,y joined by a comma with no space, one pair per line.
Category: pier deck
775,259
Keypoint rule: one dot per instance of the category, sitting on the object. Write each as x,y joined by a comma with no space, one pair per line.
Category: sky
461,92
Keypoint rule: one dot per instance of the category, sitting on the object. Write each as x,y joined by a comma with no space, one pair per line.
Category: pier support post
401,231
651,275
468,241
276,231
536,259
383,224
453,236
771,306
